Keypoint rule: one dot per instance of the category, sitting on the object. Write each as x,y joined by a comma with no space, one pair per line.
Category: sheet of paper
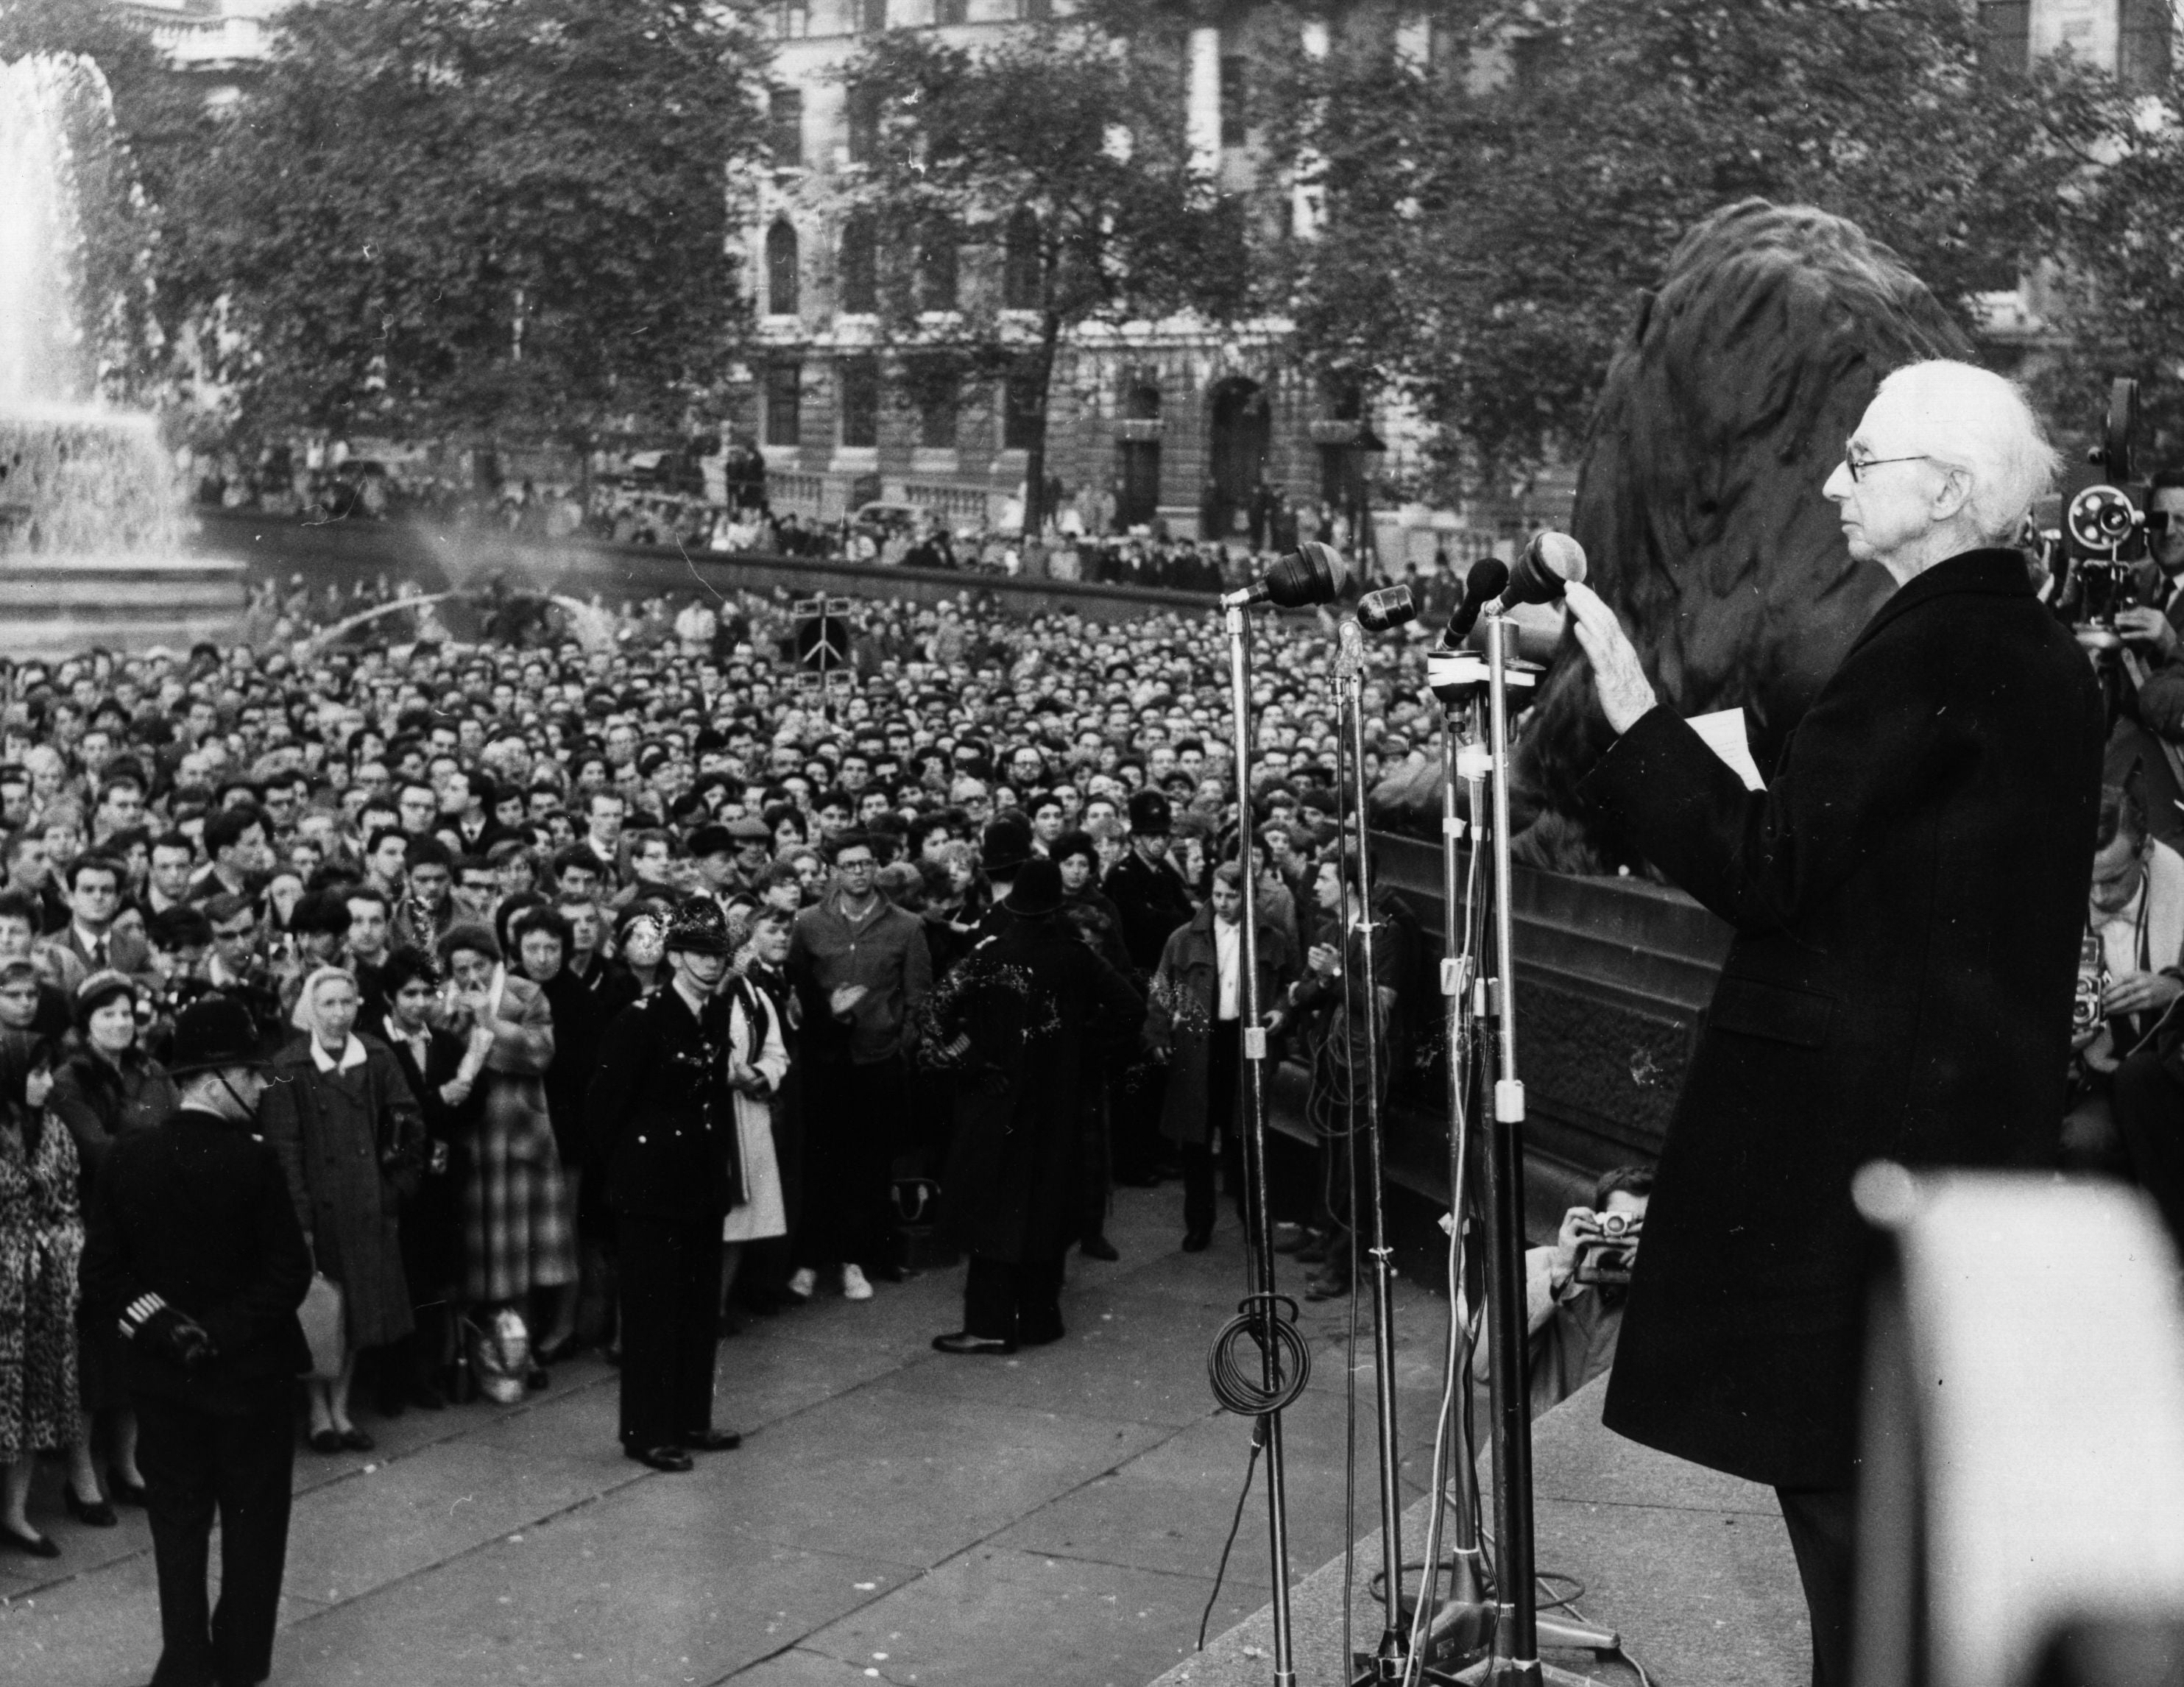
1723,733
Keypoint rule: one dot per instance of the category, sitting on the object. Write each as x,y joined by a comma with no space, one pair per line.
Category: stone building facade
1156,421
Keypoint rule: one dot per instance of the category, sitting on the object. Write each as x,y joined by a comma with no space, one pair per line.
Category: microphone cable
1237,1379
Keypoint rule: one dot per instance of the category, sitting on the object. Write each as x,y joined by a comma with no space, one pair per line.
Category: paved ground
894,1514
898,1516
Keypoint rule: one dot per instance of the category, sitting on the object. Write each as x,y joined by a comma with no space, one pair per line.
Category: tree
495,218
1496,212
1057,160
2116,293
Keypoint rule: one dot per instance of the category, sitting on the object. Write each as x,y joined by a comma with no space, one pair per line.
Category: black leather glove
175,1336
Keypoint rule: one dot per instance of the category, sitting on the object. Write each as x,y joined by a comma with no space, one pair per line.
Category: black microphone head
1313,573
1550,562
1487,581
1389,606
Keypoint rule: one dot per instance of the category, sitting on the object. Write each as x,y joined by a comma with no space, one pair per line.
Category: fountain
92,513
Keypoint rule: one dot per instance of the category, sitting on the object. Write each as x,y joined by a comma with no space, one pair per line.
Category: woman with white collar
341,1117
758,1063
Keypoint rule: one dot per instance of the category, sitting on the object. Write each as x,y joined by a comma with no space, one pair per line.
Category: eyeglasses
1857,466
859,867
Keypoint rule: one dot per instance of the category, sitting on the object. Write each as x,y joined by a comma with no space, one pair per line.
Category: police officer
194,1248
1153,900
662,1125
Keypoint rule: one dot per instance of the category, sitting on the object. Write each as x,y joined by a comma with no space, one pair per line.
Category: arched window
936,267
861,268
781,269
1020,265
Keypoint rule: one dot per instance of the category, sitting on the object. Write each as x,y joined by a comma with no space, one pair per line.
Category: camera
2102,533
1607,1249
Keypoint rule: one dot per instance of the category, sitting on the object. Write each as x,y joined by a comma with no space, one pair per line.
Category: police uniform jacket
196,1211
1152,901
1908,895
662,1116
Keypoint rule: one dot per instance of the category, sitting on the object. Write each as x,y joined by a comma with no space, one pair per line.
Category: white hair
1975,420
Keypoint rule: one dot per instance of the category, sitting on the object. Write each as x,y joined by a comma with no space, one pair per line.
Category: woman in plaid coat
519,1232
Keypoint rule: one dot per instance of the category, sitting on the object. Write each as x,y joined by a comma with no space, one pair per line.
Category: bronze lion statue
1698,499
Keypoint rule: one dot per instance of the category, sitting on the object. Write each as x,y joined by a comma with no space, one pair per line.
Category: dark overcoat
196,1211
1908,895
1180,1011
1153,901
1032,999
334,1132
661,1114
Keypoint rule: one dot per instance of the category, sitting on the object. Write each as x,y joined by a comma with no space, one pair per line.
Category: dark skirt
100,1383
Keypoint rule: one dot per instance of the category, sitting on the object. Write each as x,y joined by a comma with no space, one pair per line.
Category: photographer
2153,628
2130,976
2127,1071
1574,1289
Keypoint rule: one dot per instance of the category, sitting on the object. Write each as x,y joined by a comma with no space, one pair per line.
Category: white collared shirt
352,1055
1228,953
418,1042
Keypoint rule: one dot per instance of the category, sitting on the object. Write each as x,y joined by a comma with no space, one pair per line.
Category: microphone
1488,579
1550,562
1389,606
1349,649
1313,573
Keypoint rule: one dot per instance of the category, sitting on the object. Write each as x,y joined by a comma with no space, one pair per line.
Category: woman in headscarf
341,1117
517,1233
105,1087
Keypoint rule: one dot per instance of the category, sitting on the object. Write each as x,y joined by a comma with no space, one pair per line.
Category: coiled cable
1237,1376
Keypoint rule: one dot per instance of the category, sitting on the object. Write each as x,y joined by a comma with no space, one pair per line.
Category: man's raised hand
1618,676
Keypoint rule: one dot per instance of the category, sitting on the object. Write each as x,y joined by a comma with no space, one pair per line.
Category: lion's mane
1698,499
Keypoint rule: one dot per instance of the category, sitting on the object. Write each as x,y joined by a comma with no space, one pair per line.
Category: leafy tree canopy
490,217
1496,210
2116,292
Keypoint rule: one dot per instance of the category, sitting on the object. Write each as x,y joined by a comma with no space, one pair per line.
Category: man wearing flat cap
662,1124
194,1249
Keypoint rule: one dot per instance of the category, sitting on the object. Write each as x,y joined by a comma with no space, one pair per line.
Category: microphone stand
1390,1661
1516,1658
1499,1645
1261,1304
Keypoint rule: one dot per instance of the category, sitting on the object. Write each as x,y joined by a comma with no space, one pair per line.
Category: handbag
322,1315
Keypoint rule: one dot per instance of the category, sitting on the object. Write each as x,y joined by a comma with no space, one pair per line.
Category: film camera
1607,1249
2104,531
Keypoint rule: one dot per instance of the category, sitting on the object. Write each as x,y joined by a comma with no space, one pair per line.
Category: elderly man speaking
1908,892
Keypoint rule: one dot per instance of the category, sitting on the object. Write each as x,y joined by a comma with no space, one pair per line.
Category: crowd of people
1084,535
623,993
